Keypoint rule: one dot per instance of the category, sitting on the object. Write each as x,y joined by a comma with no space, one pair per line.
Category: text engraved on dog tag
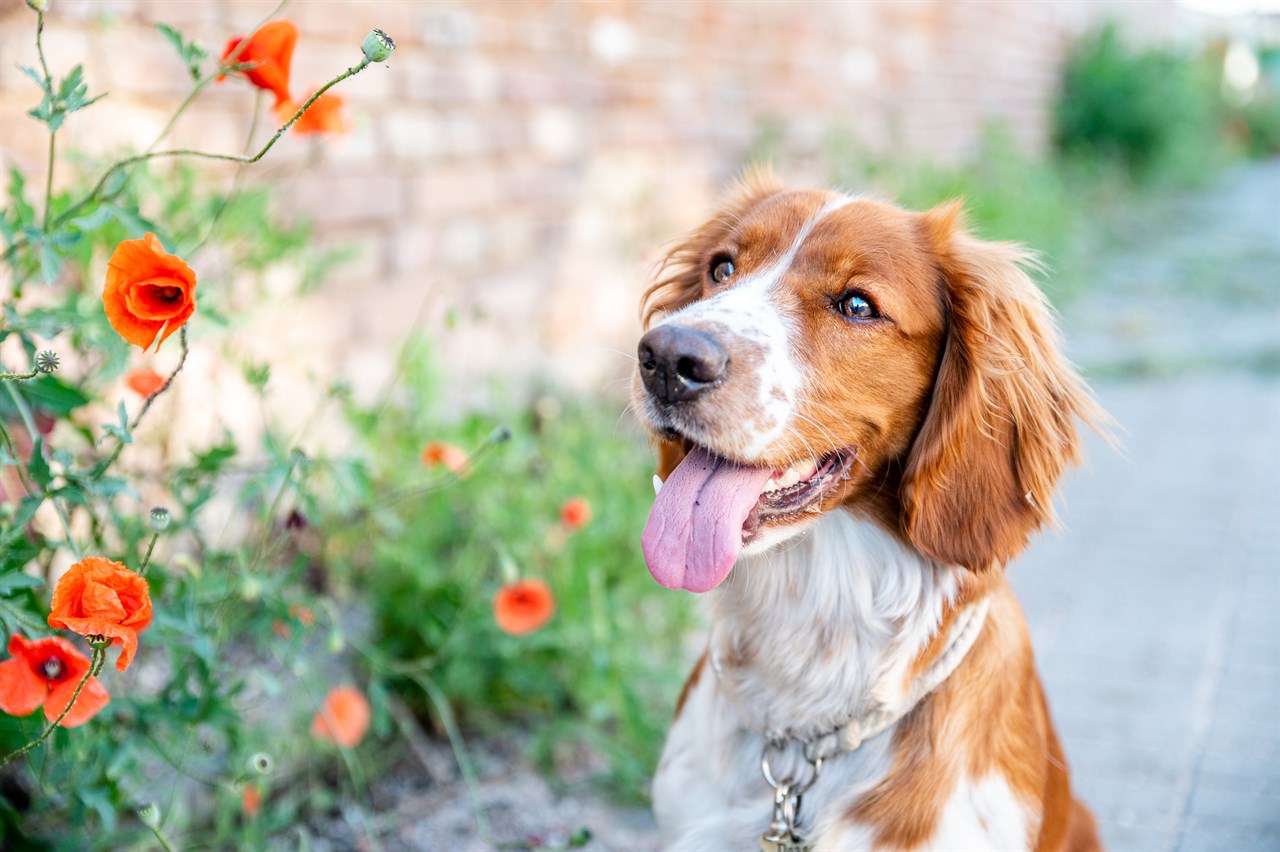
784,841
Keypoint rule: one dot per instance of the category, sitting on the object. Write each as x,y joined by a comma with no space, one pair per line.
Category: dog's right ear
680,275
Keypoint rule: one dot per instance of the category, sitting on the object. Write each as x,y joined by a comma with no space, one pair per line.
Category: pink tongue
694,532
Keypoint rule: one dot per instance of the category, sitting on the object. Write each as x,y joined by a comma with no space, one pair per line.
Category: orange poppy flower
323,116
524,606
303,613
98,597
252,801
270,49
148,291
144,382
344,718
47,671
451,458
575,513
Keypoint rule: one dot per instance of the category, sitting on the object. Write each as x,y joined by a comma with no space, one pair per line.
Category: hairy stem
231,158
53,134
146,406
142,569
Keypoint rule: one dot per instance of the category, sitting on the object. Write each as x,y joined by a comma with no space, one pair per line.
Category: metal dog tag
788,843
783,836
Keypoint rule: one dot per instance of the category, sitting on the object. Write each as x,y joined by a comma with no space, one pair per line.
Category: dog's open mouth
710,507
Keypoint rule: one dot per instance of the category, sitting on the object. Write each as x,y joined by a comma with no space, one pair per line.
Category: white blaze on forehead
750,312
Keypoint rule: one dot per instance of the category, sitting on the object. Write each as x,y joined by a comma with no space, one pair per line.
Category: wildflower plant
97,277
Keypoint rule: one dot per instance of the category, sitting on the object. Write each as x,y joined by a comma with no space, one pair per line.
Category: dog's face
820,351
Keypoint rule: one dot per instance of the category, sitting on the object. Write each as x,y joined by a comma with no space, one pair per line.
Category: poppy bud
159,519
38,5
150,815
377,46
47,361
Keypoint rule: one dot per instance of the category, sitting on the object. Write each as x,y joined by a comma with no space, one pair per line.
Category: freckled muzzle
678,363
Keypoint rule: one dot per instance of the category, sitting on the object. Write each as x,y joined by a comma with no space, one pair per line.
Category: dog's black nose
679,363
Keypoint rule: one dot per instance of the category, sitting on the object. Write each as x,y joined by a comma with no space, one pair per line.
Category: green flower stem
465,767
24,411
160,838
103,466
231,158
53,134
190,253
22,471
182,362
142,569
95,666
19,377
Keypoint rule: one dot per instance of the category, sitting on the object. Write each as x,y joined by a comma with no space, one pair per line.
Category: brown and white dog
861,415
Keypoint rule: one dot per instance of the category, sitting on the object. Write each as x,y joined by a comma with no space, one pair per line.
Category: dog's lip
798,488
790,503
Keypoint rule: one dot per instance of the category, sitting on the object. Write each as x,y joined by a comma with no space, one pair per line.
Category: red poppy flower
524,606
344,718
144,382
47,671
252,800
98,597
323,116
147,291
575,513
270,49
451,458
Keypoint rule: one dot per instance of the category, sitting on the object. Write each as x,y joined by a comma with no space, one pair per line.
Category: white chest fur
803,637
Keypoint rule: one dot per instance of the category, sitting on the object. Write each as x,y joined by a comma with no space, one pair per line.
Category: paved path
1156,616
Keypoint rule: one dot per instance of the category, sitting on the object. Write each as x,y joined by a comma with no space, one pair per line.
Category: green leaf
111,486
15,580
50,263
93,221
190,52
15,616
38,467
50,395
74,80
26,511
35,75
212,460
135,224
120,430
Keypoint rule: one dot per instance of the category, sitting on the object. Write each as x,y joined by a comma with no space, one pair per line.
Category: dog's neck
820,628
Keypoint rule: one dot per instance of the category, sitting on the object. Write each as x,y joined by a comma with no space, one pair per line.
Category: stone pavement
1155,617
1156,614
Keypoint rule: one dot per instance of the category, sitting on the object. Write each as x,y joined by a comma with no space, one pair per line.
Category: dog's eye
855,306
721,269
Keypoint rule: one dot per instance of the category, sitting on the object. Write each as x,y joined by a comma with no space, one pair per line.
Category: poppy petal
21,690
93,697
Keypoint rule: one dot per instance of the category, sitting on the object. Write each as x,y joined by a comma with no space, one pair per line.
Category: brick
348,198
412,135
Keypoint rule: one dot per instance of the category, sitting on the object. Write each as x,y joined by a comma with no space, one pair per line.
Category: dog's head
817,351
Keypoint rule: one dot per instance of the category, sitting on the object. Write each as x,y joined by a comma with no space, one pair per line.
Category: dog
860,415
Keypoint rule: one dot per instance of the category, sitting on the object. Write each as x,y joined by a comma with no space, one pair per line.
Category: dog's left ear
1000,428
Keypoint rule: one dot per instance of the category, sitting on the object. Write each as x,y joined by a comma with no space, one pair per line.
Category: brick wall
519,165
